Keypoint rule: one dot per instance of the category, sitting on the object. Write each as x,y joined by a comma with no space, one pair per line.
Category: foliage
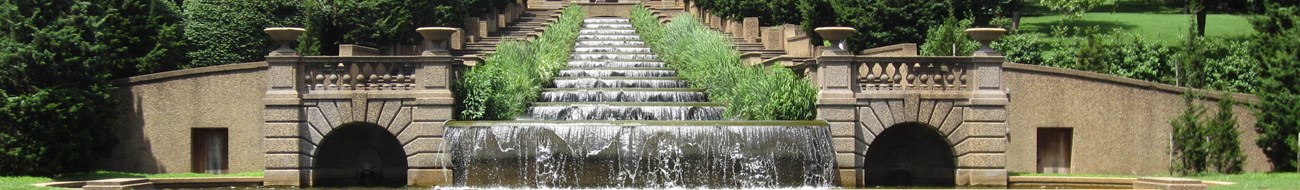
1123,55
230,31
1279,95
707,59
1207,144
949,39
1073,8
55,110
146,37
373,23
503,86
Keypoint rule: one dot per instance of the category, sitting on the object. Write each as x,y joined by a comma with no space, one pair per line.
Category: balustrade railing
913,73
358,73
864,73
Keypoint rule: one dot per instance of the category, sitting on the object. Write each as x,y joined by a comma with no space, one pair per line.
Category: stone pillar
474,29
749,27
835,104
428,163
287,156
773,38
983,152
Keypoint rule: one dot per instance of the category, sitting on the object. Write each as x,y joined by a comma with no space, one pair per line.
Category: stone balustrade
358,73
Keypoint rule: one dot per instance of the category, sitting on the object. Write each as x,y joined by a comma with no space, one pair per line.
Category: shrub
949,39
707,59
503,86
1207,144
230,31
1124,55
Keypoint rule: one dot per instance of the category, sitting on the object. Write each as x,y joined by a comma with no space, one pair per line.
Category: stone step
675,111
465,124
615,63
622,96
620,82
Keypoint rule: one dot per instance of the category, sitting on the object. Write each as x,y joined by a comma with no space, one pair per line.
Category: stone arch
910,154
360,154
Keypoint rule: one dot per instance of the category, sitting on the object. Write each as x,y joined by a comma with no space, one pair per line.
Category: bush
503,86
1207,144
949,39
230,31
706,59
1124,55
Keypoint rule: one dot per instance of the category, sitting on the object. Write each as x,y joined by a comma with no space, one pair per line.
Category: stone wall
158,111
1120,125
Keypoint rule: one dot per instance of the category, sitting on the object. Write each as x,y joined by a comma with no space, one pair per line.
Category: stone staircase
613,75
530,22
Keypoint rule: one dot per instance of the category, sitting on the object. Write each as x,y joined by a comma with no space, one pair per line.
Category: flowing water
618,117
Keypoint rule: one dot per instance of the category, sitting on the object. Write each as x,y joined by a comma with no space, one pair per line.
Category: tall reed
709,60
502,87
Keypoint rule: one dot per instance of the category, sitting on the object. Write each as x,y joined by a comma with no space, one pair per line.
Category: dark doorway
360,154
1054,147
910,154
209,151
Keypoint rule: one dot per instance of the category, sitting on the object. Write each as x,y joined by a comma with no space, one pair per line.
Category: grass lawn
1163,27
1256,180
1243,181
25,182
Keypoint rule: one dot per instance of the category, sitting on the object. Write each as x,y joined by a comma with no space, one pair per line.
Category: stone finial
285,36
435,39
986,36
838,36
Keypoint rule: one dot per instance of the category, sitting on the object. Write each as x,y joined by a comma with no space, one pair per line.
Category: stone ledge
1035,69
187,72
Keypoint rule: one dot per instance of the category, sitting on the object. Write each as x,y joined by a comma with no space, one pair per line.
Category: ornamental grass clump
708,60
510,79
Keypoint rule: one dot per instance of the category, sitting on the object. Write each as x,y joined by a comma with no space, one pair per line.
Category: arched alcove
910,154
360,154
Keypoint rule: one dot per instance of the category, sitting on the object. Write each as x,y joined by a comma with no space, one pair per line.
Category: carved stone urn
838,36
986,36
285,36
435,39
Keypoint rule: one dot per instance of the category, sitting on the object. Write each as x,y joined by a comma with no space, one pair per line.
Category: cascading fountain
619,118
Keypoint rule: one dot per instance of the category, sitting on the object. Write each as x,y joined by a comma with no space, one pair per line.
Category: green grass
25,182
1161,27
1243,181
1256,180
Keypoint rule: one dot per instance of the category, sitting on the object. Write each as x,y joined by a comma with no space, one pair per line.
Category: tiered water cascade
620,118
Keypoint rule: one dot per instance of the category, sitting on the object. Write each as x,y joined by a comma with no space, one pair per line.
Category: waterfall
618,117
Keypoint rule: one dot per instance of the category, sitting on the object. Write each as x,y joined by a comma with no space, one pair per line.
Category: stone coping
190,72
625,123
1210,94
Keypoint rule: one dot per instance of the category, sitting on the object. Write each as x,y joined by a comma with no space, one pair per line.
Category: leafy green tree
1207,144
1279,106
1072,8
949,39
55,110
144,36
